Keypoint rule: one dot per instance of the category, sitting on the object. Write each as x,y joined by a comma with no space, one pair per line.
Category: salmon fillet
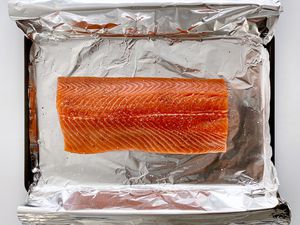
162,115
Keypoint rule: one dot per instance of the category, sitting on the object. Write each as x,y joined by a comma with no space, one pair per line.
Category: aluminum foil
280,215
210,39
65,19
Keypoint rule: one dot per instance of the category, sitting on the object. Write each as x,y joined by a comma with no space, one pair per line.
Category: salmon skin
159,115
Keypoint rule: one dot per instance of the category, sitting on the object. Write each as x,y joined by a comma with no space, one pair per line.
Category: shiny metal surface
191,40
280,215
250,21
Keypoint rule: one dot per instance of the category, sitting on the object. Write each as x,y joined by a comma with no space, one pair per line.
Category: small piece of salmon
161,115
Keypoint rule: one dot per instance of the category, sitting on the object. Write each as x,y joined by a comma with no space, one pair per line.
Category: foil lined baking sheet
197,40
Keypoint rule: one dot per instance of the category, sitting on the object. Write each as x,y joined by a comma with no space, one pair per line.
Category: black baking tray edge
28,173
278,215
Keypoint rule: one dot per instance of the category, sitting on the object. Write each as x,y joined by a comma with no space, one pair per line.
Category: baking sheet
245,66
199,40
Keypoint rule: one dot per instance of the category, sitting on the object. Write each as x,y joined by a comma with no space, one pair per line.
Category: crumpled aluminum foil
279,215
201,21
211,39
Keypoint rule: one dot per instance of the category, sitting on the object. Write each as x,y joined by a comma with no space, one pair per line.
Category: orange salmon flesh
159,115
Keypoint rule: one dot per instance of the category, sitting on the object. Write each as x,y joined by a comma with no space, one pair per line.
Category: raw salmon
162,115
